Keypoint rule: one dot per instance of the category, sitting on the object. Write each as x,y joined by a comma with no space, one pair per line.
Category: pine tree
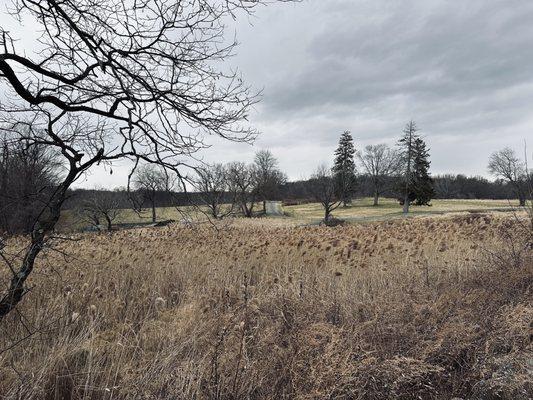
344,168
423,190
407,145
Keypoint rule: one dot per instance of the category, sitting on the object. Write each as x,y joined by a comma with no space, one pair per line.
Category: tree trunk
109,223
246,211
44,225
406,204
520,193
154,216
408,170
376,198
251,208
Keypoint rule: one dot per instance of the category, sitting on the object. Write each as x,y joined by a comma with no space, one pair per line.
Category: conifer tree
344,168
407,145
423,190
416,185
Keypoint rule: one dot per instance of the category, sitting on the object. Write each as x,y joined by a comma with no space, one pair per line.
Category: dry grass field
420,308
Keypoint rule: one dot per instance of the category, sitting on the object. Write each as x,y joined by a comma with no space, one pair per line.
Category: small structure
273,208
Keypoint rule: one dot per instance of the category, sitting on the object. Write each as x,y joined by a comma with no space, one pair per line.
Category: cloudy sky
462,69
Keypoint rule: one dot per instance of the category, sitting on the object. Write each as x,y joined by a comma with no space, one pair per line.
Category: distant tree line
446,186
29,174
459,186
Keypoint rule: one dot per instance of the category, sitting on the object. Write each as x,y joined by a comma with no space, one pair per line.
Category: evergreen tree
407,145
423,190
344,168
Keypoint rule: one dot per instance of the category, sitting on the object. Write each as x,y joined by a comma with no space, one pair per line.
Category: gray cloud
461,69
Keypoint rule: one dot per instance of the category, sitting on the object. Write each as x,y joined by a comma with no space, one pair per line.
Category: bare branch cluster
138,79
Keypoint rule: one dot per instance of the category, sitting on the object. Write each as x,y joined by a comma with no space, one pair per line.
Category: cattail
92,310
160,303
74,317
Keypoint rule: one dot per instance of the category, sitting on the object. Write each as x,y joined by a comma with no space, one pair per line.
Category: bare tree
444,186
118,80
28,174
507,165
102,206
269,176
323,187
381,163
212,187
149,180
242,180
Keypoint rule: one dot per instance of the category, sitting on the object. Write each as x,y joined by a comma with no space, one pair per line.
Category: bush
332,221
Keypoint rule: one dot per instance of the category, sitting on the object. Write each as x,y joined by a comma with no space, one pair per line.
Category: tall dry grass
401,310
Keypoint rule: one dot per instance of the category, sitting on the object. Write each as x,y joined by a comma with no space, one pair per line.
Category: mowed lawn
361,210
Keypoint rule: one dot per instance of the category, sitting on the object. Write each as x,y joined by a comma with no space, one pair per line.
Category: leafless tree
242,180
444,186
28,174
507,165
212,187
381,163
323,187
102,206
269,176
149,180
517,238
139,80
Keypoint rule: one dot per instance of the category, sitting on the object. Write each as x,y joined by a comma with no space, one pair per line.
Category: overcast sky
463,70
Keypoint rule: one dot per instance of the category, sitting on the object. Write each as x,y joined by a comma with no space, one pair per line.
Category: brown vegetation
401,309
